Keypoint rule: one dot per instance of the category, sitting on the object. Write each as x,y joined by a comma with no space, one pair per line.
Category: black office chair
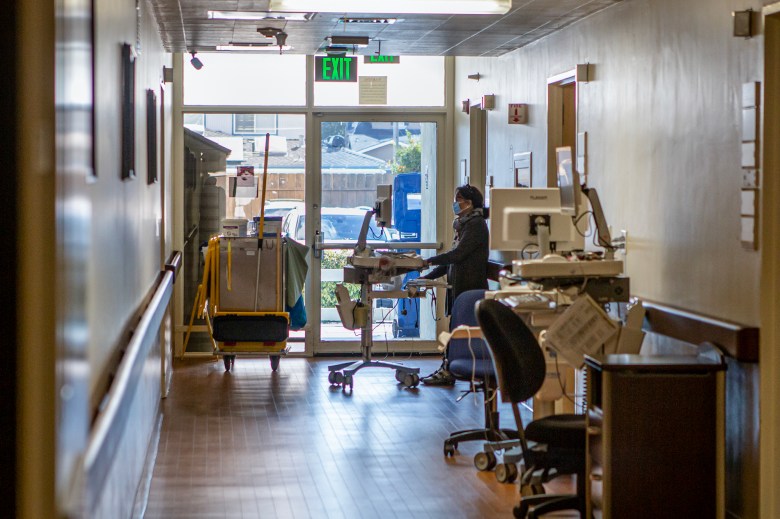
469,360
550,446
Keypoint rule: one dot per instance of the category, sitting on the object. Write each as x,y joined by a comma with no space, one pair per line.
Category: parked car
339,224
282,206
336,224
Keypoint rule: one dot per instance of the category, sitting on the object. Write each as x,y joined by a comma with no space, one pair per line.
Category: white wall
130,235
663,120
663,117
126,215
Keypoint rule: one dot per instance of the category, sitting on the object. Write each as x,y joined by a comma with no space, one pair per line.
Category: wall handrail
738,341
109,424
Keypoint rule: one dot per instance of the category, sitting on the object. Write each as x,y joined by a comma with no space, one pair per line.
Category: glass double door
359,159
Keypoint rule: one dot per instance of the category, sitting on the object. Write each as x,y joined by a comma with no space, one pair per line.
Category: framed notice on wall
128,112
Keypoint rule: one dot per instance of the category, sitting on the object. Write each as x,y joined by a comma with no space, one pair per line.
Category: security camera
196,62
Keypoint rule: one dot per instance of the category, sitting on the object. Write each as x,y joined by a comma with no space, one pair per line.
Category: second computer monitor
514,213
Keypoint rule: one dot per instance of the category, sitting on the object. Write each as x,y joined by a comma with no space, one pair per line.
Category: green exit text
335,69
382,59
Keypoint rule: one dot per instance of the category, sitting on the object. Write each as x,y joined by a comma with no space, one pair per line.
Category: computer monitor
515,216
382,213
383,206
568,181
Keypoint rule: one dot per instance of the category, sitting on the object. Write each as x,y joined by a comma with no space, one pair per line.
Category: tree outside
408,159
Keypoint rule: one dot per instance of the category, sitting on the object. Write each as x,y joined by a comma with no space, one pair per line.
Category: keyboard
529,301
536,269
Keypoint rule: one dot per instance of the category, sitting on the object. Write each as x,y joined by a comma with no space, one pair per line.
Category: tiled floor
256,443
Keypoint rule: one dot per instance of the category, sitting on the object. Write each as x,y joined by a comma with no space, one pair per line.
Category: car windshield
341,227
338,226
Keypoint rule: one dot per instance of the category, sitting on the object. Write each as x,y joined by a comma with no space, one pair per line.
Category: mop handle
261,227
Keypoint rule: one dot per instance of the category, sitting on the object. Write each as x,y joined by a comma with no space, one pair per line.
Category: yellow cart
242,297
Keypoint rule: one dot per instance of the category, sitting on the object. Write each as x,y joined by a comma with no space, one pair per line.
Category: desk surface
654,363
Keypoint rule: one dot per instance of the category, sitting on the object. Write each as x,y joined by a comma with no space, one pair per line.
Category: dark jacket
466,263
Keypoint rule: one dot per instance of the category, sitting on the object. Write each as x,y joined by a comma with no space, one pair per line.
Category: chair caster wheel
411,380
449,449
531,489
506,472
484,461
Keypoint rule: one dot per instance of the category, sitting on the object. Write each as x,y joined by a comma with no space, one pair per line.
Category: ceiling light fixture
368,21
196,62
349,40
397,6
253,47
331,50
259,15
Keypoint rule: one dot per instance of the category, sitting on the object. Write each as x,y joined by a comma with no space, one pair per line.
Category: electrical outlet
621,241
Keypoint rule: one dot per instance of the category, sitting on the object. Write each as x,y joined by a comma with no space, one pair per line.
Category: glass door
225,172
357,154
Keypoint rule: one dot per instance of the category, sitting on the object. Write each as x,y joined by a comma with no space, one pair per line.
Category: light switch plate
749,179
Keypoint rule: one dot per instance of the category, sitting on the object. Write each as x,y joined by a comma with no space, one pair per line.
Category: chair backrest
518,358
463,313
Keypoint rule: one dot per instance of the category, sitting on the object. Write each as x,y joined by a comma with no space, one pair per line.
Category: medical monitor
568,181
515,214
383,207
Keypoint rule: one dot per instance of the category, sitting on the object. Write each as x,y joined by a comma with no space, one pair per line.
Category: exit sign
335,69
382,59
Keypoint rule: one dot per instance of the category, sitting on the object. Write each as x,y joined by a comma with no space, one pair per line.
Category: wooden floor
255,443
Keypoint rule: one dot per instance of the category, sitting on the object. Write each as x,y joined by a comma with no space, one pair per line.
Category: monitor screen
514,211
568,181
383,207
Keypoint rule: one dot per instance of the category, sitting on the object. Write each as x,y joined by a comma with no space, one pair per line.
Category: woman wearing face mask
465,264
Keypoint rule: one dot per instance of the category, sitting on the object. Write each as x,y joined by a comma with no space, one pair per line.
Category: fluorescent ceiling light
396,6
259,15
253,47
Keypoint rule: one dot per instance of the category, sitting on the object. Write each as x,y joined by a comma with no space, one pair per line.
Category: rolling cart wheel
275,362
348,381
332,378
400,376
226,361
484,461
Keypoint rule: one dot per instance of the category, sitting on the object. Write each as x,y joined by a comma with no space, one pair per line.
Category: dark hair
472,194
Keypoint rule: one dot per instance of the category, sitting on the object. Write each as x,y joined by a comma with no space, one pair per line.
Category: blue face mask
456,207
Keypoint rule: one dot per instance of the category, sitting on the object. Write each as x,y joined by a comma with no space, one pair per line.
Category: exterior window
254,124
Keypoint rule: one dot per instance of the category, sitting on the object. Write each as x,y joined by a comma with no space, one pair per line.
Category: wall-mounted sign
372,90
518,113
335,69
382,59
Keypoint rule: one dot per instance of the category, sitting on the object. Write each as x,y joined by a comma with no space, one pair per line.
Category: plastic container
234,228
